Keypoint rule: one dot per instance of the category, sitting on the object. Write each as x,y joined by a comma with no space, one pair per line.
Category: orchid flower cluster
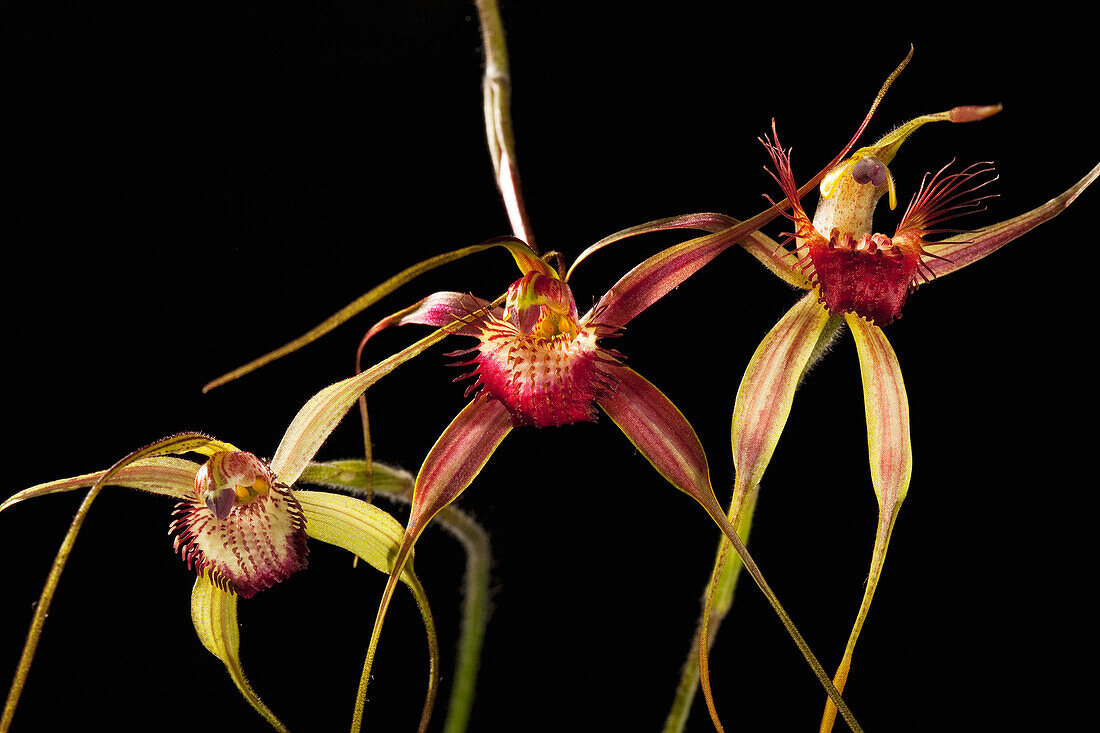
531,359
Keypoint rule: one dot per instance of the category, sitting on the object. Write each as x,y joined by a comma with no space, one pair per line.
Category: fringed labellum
242,526
855,270
539,359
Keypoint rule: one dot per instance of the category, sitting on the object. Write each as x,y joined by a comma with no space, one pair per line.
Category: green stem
497,95
717,603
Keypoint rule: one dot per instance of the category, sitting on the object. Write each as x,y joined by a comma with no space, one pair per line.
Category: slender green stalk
719,599
497,95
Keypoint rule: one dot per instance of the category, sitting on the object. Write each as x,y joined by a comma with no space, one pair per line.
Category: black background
191,185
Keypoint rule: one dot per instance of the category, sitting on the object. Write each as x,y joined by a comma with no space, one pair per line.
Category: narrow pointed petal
439,309
452,464
887,411
358,527
162,475
214,614
320,415
374,536
767,389
457,458
657,276
177,443
660,432
353,475
663,435
760,412
396,483
525,258
956,252
759,245
891,456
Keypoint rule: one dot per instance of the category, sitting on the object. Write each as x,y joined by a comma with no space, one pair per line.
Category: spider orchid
856,277
539,362
242,528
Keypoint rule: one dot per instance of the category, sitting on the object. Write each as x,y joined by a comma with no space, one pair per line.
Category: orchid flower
859,278
242,529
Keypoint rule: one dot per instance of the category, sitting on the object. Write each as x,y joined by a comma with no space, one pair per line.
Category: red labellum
538,360
869,277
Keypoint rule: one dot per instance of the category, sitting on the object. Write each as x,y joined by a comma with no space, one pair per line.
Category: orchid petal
351,475
163,475
354,475
457,458
438,309
320,415
956,252
663,435
373,535
767,390
451,465
891,455
759,245
760,412
524,257
357,526
214,614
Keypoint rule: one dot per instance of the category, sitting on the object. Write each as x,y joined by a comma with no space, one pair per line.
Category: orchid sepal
890,450
955,252
214,616
525,259
664,437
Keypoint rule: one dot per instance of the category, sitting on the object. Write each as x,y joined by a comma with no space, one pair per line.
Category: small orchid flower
242,529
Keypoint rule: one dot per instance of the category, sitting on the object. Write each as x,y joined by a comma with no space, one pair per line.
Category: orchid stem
754,570
42,609
497,93
716,604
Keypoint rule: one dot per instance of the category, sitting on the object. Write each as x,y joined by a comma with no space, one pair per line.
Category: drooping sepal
214,614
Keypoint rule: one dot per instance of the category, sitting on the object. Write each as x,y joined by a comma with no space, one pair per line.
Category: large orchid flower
859,278
242,528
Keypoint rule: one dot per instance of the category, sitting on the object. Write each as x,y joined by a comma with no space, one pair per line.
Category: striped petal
374,536
956,252
891,455
214,614
452,464
164,475
663,435
767,389
525,259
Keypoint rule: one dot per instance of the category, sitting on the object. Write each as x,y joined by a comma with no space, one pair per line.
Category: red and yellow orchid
242,528
861,279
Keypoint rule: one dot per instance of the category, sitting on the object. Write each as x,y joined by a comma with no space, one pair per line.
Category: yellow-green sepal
214,614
